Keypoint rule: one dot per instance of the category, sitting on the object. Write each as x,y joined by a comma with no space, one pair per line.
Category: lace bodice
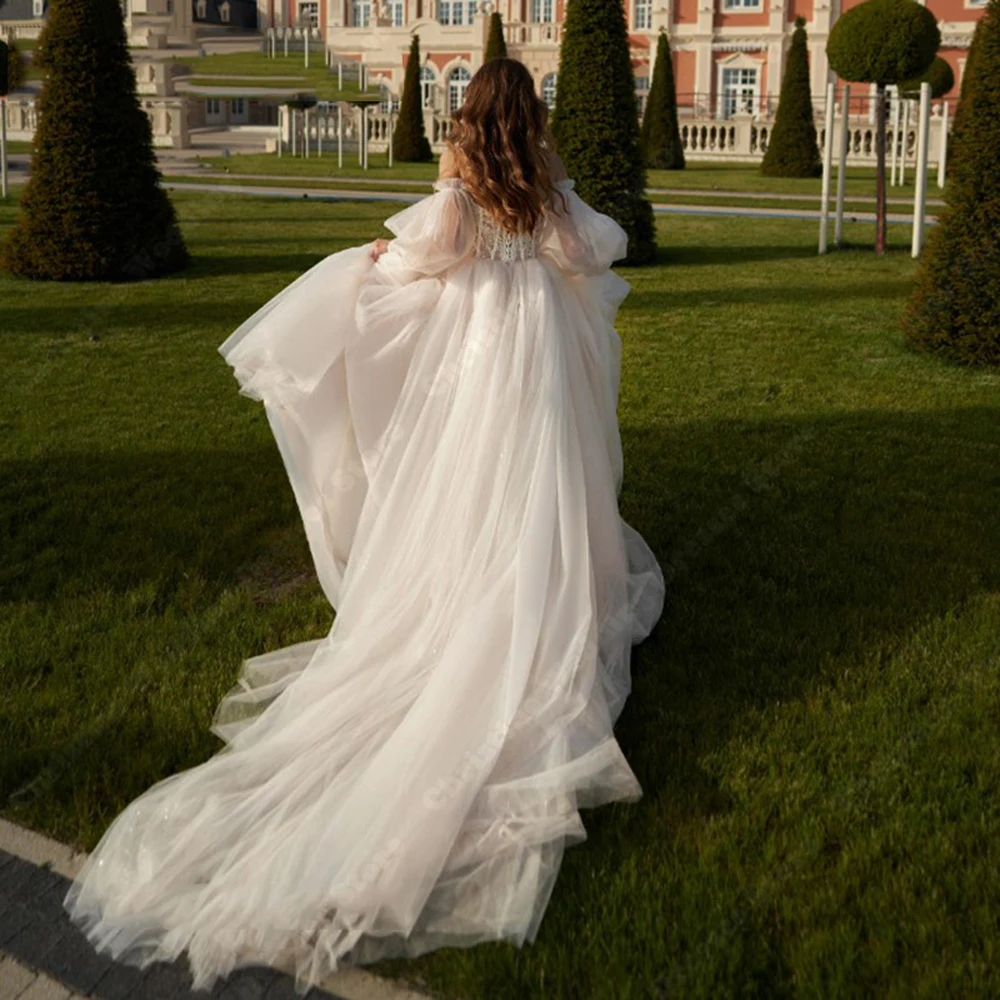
493,242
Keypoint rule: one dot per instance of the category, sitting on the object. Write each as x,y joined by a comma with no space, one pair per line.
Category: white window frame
550,87
237,106
38,8
641,93
202,8
543,11
456,13
741,6
723,109
213,106
225,12
643,15
310,8
397,12
457,86
428,86
361,13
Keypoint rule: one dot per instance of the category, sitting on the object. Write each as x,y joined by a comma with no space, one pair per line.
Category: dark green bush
16,66
596,121
409,140
954,310
496,45
883,41
661,136
939,75
792,149
93,208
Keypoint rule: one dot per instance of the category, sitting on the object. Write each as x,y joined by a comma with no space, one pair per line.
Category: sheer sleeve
581,239
434,234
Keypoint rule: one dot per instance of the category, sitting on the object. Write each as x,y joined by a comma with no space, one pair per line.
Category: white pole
390,133
305,132
824,210
895,140
288,31
4,185
281,127
364,132
306,39
361,145
943,145
920,192
905,142
340,76
340,135
319,132
295,131
845,136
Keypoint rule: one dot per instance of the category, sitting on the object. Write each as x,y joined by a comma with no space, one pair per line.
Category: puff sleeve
580,239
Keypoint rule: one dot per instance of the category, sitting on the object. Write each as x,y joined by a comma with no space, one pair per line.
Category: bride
445,406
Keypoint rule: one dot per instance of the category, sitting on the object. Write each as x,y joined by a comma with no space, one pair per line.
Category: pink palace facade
728,54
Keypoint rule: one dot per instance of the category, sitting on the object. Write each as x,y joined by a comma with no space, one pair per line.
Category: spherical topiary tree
939,75
496,45
93,208
792,150
596,121
409,140
661,136
954,310
882,42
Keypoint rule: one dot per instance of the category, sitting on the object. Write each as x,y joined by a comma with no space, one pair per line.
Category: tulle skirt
411,779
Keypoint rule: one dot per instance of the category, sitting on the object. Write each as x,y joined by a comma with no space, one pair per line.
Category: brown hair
500,135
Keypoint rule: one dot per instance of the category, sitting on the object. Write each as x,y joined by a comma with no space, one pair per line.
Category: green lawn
815,721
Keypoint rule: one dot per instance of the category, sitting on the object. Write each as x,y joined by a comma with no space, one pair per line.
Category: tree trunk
880,168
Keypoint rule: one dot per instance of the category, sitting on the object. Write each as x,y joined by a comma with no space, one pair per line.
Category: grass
815,721
250,70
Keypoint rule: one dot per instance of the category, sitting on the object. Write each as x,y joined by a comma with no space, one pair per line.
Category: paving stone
15,918
14,977
168,981
76,963
120,982
248,984
34,942
44,988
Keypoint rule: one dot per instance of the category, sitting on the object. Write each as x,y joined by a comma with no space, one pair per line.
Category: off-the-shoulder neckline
566,183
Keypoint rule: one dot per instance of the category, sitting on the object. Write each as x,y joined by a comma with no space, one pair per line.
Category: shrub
954,310
93,207
883,42
409,140
661,136
939,75
792,150
596,122
496,45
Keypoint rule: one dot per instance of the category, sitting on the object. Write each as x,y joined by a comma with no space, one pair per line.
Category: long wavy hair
499,136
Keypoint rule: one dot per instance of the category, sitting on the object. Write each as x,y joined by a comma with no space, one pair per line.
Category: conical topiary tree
792,150
955,307
596,122
661,135
496,45
882,42
16,70
967,76
93,208
409,140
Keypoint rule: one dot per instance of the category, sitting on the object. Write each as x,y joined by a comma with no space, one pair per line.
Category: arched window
549,89
458,82
427,82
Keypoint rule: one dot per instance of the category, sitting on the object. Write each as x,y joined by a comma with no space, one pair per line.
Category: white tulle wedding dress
447,417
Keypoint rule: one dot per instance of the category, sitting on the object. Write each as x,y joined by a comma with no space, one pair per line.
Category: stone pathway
44,956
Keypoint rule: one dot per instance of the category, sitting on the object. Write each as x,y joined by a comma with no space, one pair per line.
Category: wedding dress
447,418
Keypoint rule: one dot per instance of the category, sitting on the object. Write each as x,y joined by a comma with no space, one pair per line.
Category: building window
238,106
549,89
741,4
739,92
643,15
395,10
309,14
427,86
456,11
541,11
224,11
361,13
170,6
641,93
213,107
458,82
38,8
202,9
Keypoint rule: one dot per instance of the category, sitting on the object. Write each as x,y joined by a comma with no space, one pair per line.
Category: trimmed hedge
17,68
939,75
496,45
93,208
596,121
954,310
409,140
793,150
661,135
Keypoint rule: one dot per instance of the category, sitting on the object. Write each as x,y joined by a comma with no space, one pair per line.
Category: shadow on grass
786,545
